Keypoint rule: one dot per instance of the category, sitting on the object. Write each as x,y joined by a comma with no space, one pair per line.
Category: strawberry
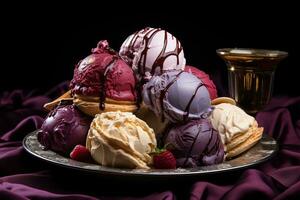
81,153
164,159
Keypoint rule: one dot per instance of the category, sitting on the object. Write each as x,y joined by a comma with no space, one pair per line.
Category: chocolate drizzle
193,144
146,35
102,94
159,62
206,149
130,52
160,59
214,150
130,48
147,39
138,88
150,99
187,108
163,94
133,39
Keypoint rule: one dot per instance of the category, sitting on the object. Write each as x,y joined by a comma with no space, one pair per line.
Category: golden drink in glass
251,75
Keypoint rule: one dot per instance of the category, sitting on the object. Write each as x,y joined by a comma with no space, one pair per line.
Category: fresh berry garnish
164,159
81,153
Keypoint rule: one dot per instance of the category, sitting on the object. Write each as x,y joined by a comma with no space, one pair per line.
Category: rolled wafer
220,100
244,146
66,96
242,137
90,105
238,130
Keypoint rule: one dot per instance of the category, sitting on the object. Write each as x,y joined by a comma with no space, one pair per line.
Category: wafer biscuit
244,146
66,96
90,105
242,137
220,100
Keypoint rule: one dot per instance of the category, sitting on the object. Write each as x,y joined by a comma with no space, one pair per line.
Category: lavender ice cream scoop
195,143
178,96
64,128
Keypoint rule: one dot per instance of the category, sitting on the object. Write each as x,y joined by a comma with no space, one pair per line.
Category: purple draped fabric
24,177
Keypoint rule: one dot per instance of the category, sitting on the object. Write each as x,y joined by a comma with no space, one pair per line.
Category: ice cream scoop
238,130
178,96
120,139
209,84
103,82
195,143
64,128
230,120
151,51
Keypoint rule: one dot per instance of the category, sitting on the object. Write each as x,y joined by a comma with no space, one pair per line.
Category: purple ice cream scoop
64,128
178,96
195,143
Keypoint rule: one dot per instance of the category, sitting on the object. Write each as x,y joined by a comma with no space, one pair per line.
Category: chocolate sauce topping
107,69
188,155
195,143
187,109
216,144
138,88
132,42
163,95
147,39
144,38
159,62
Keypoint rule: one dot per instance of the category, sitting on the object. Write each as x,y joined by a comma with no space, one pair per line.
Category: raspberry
81,153
164,160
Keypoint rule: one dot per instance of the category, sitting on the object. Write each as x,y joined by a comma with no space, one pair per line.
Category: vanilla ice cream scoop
230,120
120,139
151,51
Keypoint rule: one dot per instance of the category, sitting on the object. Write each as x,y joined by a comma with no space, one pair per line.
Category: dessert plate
261,152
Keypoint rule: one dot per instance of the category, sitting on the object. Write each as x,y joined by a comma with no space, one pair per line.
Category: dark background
40,48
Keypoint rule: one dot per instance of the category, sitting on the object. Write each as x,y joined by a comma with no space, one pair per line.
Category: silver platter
261,152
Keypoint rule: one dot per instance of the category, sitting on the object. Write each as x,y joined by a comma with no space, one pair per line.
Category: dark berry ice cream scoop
195,143
64,128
